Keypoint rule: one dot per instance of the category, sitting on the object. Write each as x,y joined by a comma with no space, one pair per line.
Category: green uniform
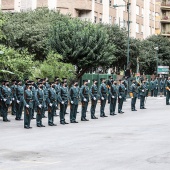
28,111
156,88
63,98
40,106
152,87
167,91
6,101
45,90
52,104
84,95
121,96
147,88
103,98
142,90
34,101
113,95
57,89
19,102
94,98
74,100
13,90
133,95
109,83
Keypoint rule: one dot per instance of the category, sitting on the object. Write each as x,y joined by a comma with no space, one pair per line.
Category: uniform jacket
94,92
6,94
20,93
103,91
84,93
74,95
113,91
133,90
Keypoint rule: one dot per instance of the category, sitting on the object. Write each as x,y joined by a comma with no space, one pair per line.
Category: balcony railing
165,4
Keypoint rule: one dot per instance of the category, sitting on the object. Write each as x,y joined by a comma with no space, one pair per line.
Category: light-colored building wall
143,13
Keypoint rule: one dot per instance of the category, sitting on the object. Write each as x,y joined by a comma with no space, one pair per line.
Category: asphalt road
130,141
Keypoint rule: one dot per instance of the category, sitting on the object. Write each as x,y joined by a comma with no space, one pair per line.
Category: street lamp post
128,24
156,48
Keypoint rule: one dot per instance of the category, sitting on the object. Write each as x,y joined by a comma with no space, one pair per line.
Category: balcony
165,5
165,19
166,34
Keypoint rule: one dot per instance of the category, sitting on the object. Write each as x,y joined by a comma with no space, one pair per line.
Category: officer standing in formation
167,91
43,96
103,97
133,95
94,99
113,94
84,94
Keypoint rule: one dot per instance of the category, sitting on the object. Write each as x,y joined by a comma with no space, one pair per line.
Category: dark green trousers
155,92
51,111
113,105
142,102
19,109
62,112
120,104
102,107
39,115
4,110
73,112
93,108
84,109
167,97
133,103
27,116
14,107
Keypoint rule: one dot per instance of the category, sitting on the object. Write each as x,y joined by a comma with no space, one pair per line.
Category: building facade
144,14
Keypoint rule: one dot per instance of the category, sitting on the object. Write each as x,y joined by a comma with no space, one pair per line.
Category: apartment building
143,13
165,17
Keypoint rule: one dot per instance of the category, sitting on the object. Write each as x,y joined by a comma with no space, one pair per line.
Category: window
110,2
137,27
95,19
141,28
100,20
137,10
101,1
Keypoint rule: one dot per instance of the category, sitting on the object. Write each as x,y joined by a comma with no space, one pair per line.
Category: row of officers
43,96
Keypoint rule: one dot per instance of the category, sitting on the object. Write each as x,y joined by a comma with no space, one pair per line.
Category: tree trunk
80,74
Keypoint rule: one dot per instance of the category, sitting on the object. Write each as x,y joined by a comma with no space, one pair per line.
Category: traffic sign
163,70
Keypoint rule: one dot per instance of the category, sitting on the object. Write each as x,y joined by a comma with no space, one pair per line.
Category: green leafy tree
148,54
53,67
82,44
15,64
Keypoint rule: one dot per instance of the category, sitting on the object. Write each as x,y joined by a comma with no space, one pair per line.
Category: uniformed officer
57,89
94,98
84,95
167,91
142,90
165,86
125,82
103,97
40,104
152,87
19,100
113,94
13,90
63,99
34,91
147,87
28,109
2,84
133,94
109,83
66,88
162,86
121,95
6,100
156,87
74,100
52,104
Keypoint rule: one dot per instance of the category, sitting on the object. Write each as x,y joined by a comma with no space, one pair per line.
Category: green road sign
163,70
